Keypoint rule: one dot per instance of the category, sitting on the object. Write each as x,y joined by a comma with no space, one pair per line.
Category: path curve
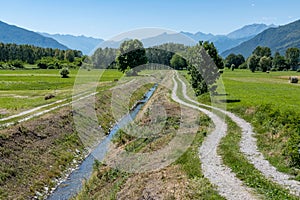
249,148
212,166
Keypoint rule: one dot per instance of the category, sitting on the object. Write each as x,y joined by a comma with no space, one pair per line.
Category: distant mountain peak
278,39
249,31
82,43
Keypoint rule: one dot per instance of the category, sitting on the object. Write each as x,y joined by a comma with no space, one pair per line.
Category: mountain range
278,39
83,43
242,41
222,42
17,35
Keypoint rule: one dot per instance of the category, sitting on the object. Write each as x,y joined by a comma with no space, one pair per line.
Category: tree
265,63
130,55
292,57
213,53
177,62
262,51
279,62
69,55
197,81
253,62
204,62
235,60
64,72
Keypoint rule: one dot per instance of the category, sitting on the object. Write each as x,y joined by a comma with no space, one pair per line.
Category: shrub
298,70
49,96
17,64
243,66
64,72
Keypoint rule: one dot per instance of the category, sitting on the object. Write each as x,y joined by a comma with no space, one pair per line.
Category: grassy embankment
268,101
181,180
36,152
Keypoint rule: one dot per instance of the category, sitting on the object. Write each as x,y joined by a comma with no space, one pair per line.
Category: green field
25,89
244,88
271,104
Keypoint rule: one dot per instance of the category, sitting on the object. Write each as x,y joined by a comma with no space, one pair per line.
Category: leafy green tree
265,63
213,53
197,81
64,72
279,62
177,62
253,62
69,55
262,51
204,62
130,55
235,60
292,57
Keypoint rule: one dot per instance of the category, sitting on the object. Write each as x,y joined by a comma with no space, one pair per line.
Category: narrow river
73,184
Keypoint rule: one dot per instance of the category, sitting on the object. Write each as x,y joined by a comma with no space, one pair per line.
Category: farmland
24,89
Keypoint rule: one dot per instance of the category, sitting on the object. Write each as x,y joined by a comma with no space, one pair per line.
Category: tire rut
212,166
248,147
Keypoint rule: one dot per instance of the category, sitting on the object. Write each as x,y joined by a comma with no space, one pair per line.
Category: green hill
17,35
278,39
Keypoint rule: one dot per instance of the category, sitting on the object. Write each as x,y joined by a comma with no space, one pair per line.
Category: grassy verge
232,157
36,152
108,183
200,187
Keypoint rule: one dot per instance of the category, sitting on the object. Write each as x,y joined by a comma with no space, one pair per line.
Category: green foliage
279,62
235,60
213,53
197,81
292,57
265,63
162,54
131,54
104,58
268,118
16,64
178,62
292,149
231,155
244,65
253,62
262,51
204,62
30,54
64,72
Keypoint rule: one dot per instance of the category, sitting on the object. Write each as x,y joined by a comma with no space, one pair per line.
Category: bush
64,72
17,64
298,70
243,66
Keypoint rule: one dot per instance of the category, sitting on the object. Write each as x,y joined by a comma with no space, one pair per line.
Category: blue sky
105,19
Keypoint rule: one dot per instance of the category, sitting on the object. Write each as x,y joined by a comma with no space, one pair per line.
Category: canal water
73,184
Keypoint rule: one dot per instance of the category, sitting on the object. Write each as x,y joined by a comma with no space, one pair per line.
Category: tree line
202,60
17,55
261,59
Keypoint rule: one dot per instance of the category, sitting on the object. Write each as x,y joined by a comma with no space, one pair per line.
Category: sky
106,19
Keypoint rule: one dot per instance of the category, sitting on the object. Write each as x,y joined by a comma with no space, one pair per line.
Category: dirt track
248,146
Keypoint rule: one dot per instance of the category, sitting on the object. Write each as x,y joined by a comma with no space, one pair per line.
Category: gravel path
218,174
248,146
